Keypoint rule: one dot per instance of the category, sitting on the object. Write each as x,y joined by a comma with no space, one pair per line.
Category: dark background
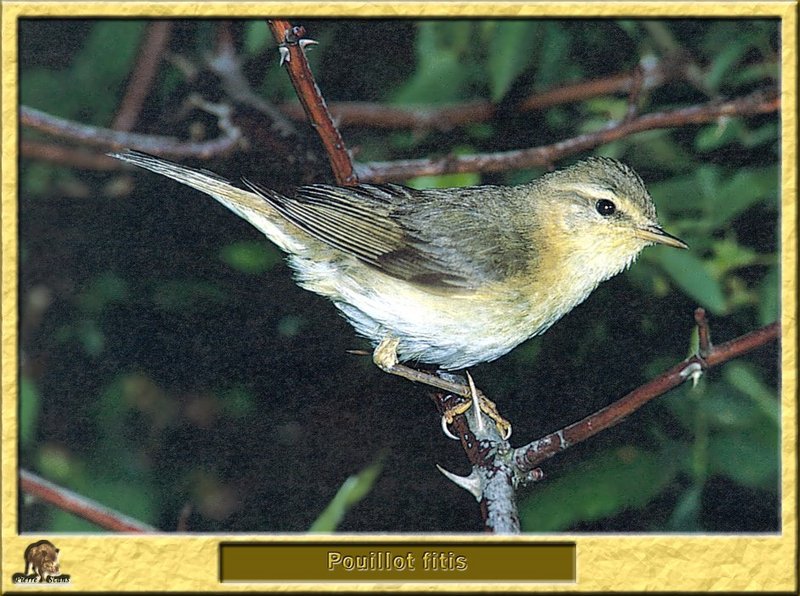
167,358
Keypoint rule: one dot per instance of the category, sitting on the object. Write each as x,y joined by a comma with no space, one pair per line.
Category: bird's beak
655,234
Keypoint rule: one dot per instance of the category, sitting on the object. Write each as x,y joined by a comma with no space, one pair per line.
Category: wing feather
406,233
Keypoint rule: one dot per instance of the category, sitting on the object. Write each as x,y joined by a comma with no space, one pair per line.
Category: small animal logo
41,565
41,558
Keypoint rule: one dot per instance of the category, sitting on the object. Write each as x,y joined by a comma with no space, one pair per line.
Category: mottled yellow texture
147,563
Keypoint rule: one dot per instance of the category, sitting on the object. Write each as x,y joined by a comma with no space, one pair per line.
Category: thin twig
291,41
423,117
144,73
756,103
529,456
653,75
183,518
67,156
107,139
226,65
81,506
358,113
703,333
637,82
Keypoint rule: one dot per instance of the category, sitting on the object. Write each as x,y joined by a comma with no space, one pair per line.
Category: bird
450,277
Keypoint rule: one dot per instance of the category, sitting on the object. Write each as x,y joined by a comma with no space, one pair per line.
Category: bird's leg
385,357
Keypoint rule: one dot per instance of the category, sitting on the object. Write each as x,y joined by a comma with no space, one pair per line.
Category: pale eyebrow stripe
592,190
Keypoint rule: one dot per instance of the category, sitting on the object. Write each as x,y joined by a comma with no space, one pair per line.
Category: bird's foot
485,405
385,357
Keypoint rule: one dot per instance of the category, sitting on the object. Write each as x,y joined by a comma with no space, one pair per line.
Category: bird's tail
244,203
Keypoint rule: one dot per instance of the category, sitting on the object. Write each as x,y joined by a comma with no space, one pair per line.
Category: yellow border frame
607,562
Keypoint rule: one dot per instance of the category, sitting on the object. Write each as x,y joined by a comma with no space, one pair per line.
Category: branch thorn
284,52
472,483
693,371
476,407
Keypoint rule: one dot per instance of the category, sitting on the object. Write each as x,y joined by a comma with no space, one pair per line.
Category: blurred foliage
178,363
352,491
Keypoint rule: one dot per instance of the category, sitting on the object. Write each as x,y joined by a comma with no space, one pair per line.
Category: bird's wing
405,233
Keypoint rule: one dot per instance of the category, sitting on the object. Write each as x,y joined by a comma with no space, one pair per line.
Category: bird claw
445,422
450,415
485,405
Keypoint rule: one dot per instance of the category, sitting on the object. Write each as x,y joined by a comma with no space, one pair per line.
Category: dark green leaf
728,409
719,134
769,306
691,275
103,291
744,189
511,50
744,377
442,74
238,402
686,515
601,487
749,457
256,36
729,55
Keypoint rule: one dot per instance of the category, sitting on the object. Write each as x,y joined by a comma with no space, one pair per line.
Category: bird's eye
605,207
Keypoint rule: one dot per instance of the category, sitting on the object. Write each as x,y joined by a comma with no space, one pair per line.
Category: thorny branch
496,465
291,41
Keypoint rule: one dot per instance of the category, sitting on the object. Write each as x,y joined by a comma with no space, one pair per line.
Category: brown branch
528,457
497,468
636,85
354,113
76,504
445,118
107,139
144,73
290,40
756,103
362,113
566,94
67,156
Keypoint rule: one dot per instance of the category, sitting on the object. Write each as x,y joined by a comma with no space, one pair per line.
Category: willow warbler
452,277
